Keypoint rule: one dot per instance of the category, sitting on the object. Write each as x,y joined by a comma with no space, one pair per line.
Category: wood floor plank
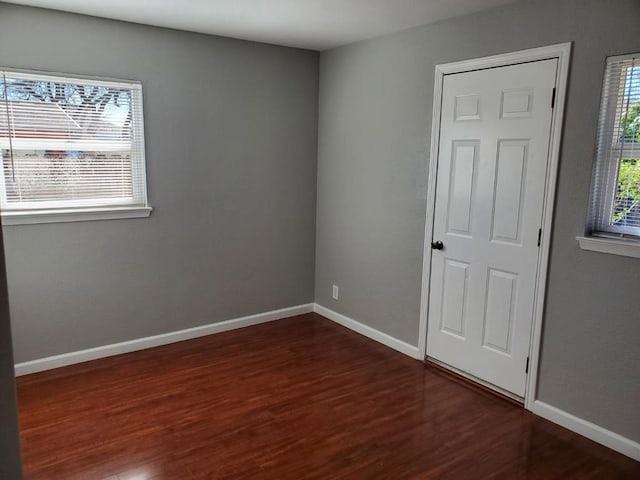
297,398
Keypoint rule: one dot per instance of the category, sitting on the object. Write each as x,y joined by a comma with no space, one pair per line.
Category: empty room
319,239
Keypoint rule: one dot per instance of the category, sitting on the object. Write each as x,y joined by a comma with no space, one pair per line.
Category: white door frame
562,52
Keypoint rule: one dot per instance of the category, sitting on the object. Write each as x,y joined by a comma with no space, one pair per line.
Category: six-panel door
492,164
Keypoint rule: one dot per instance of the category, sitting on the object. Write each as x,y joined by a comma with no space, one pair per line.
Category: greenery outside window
71,148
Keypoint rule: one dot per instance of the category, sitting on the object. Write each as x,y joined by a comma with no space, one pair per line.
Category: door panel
510,185
492,163
461,187
499,312
454,297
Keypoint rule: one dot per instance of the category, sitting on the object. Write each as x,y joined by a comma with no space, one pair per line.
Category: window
70,149
615,196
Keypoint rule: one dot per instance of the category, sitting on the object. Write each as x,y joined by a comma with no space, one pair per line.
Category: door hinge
553,98
539,236
526,368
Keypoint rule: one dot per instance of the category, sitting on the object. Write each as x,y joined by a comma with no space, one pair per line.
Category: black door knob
437,245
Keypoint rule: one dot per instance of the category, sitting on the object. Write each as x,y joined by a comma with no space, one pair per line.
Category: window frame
89,209
601,235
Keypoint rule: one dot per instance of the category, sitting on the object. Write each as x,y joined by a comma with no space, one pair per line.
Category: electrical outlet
336,292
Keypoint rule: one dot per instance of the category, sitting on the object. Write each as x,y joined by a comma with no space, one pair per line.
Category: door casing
562,52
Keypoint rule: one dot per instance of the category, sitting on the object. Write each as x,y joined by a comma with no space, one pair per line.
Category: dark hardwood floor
296,398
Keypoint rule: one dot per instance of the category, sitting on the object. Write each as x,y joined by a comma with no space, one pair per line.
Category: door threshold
476,382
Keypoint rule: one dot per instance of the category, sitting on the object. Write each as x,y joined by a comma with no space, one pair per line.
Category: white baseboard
587,429
71,358
367,331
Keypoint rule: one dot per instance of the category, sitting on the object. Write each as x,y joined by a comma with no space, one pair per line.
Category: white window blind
70,144
615,196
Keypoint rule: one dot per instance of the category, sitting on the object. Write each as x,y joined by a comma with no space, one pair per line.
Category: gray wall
10,461
231,130
375,119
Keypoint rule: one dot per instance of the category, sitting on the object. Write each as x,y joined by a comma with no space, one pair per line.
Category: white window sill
628,248
75,215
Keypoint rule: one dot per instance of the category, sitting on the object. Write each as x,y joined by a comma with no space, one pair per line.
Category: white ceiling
314,24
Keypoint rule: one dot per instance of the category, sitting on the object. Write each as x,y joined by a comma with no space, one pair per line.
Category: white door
492,163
